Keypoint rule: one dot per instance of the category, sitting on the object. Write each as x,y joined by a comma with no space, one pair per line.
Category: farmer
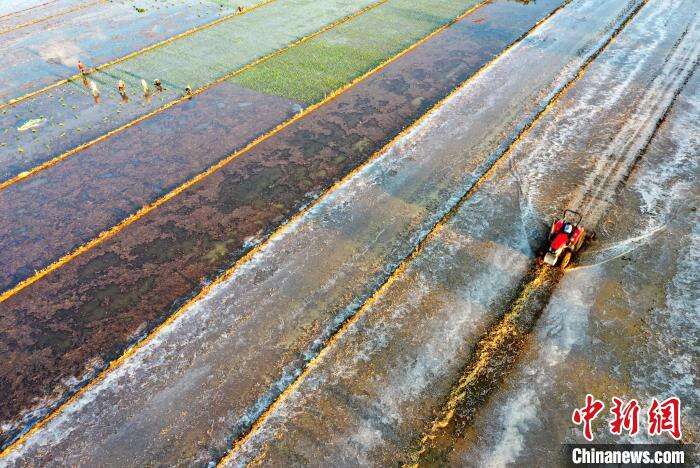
239,9
188,91
144,86
83,72
95,92
158,85
121,87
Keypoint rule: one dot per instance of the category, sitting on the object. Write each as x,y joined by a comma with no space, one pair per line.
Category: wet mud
94,306
622,323
351,404
494,357
611,327
63,207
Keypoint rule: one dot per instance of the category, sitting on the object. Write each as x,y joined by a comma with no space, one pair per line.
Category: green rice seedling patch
213,52
309,72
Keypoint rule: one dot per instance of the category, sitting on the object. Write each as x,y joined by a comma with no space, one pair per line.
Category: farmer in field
158,85
121,87
95,92
188,91
83,72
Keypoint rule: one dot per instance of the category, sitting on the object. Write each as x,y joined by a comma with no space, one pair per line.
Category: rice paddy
195,60
295,250
211,53
311,71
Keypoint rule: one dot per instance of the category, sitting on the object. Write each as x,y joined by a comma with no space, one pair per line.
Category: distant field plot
42,44
70,118
201,58
308,72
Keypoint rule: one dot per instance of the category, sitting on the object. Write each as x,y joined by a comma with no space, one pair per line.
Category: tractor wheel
565,260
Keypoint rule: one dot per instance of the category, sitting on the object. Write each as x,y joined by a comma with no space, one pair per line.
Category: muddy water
71,203
41,53
105,298
26,15
622,324
317,271
388,373
8,10
70,118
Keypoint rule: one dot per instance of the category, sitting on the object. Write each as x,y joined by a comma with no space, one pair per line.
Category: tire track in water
289,383
596,304
494,356
636,136
501,347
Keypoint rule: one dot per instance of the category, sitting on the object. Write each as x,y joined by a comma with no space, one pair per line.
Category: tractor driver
568,229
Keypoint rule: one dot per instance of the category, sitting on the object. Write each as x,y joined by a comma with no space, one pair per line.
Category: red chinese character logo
587,414
625,417
665,417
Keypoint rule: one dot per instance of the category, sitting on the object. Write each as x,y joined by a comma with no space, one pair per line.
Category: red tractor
566,237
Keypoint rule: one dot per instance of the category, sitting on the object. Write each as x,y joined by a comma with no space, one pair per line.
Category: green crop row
213,52
316,68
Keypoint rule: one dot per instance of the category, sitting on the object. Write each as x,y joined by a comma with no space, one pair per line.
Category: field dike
495,354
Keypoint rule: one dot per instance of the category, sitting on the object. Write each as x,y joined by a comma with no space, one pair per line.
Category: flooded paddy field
59,196
120,276
65,117
69,204
377,386
41,43
634,333
361,285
